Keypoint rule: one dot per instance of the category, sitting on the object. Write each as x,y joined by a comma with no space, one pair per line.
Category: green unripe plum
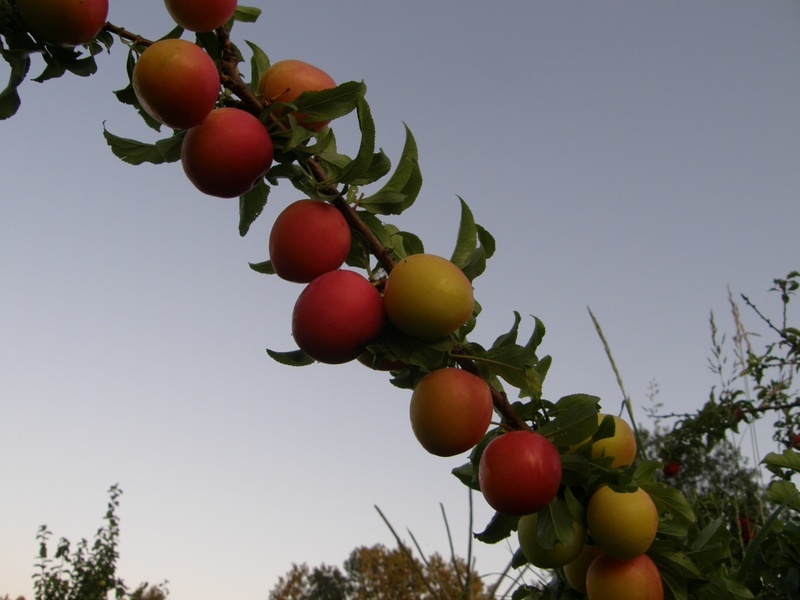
548,558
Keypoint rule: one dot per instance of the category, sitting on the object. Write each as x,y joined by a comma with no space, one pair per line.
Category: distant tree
378,573
716,480
87,573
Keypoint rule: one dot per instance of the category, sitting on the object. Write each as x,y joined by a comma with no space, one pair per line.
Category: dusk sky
635,158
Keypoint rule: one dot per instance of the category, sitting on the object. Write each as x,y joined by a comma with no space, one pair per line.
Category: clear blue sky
633,157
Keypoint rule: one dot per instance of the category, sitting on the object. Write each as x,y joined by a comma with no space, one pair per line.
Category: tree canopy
379,573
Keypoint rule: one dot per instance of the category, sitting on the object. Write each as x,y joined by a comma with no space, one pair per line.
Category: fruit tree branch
232,80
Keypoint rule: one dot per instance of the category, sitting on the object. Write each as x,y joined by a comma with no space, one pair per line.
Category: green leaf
405,244
467,237
486,241
381,230
246,14
251,205
265,268
466,475
355,172
403,186
573,420
707,534
667,498
509,338
538,334
498,529
575,469
514,364
259,63
294,358
412,351
790,459
555,525
136,153
9,97
325,105
470,254
784,492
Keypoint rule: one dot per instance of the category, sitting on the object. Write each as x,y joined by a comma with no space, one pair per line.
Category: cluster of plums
226,151
340,313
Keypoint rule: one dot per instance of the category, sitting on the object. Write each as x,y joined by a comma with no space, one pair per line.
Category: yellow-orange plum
176,82
622,524
621,446
450,411
427,296
575,571
610,578
285,80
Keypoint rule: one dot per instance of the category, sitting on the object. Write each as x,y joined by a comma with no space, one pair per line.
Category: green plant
84,571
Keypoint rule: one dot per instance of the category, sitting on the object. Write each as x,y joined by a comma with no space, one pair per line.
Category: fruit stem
124,34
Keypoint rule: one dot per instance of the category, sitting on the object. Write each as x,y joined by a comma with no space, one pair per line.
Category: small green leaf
325,105
251,205
466,474
510,338
498,529
538,334
403,186
246,14
136,153
405,244
514,364
265,268
469,254
555,525
573,420
9,97
784,492
667,498
294,358
259,63
354,173
467,236
790,459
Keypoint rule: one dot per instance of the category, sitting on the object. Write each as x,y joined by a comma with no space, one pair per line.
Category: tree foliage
87,572
380,573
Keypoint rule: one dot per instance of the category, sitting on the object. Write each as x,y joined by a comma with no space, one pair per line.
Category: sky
636,158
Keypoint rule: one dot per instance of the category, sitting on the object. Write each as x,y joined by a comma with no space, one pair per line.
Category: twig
404,549
625,398
452,549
